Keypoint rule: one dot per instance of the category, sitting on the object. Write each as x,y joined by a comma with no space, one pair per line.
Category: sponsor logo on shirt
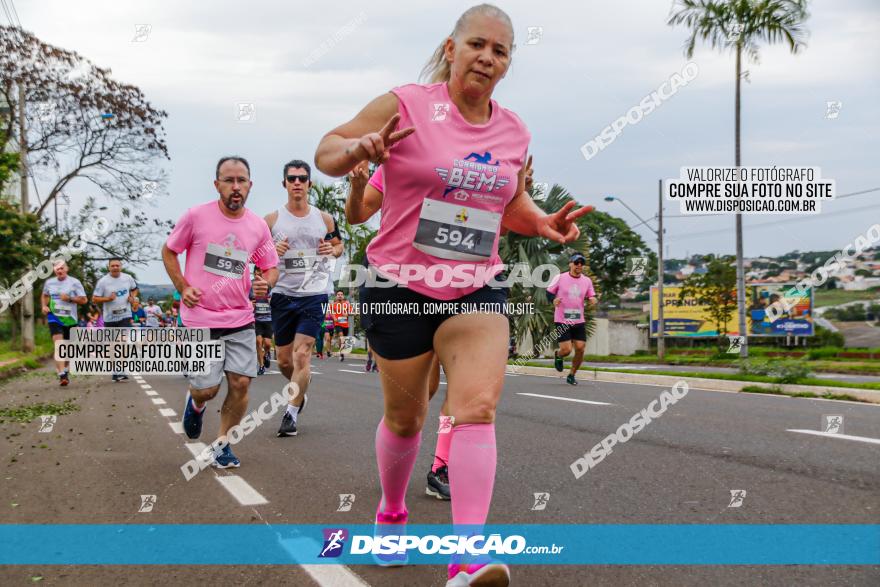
475,173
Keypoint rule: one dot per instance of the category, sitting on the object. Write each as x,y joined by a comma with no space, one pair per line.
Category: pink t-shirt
445,189
571,292
377,181
218,252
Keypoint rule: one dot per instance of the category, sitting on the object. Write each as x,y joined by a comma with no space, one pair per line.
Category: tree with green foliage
612,243
22,241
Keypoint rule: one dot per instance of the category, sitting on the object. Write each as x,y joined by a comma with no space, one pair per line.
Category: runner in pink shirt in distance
454,176
567,292
221,238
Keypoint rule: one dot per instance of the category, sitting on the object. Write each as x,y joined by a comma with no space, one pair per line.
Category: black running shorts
572,331
405,335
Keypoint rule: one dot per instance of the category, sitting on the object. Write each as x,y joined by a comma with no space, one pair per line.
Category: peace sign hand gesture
374,146
559,226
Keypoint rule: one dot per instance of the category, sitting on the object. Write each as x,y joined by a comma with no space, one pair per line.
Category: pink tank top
445,189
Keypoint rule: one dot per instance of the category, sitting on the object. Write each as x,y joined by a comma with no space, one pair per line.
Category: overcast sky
594,61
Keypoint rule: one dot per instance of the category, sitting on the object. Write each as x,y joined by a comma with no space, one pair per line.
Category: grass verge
16,361
725,376
29,412
775,390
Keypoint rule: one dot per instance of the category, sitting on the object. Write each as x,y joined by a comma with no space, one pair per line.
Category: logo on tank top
439,112
475,173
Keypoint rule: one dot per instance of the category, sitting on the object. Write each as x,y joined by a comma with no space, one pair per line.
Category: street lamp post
661,343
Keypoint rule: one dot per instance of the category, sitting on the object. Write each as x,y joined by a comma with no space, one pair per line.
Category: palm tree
534,251
740,25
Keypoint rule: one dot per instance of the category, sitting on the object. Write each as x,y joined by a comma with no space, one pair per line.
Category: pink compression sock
472,461
395,456
441,453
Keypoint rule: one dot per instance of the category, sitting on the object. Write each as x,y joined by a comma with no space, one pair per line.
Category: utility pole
27,302
661,343
740,271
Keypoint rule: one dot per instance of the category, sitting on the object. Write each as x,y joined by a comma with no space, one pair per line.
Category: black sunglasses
578,262
301,178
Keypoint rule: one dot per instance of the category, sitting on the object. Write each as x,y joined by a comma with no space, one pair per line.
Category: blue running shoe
226,460
192,420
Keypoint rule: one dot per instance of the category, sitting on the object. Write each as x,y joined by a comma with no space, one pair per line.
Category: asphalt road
96,463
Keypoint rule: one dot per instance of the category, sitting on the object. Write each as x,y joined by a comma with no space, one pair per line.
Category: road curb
868,395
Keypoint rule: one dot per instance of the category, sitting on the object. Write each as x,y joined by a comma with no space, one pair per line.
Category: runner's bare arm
172,267
271,276
281,244
524,217
367,136
521,214
270,219
96,299
335,243
363,199
44,302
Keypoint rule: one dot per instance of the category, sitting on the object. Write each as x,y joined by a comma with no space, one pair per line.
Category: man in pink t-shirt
221,238
567,292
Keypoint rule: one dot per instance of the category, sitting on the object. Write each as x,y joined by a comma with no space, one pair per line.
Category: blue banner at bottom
623,544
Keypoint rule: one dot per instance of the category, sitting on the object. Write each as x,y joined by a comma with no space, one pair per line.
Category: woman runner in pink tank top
453,176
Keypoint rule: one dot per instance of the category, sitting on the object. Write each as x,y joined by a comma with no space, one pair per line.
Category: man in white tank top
308,243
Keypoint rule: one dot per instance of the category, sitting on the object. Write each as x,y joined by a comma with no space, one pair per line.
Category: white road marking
241,490
167,412
196,448
151,392
323,575
158,401
567,399
333,576
833,435
177,427
350,371
146,385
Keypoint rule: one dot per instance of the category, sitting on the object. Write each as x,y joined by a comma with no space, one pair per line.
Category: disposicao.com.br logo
430,544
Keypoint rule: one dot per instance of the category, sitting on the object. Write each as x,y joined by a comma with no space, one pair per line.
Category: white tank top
302,272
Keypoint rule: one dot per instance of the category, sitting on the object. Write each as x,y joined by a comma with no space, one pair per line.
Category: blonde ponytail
438,68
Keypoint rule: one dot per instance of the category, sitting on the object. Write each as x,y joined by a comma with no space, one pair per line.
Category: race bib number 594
451,231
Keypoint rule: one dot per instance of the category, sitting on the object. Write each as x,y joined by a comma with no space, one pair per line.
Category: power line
15,12
6,11
856,193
